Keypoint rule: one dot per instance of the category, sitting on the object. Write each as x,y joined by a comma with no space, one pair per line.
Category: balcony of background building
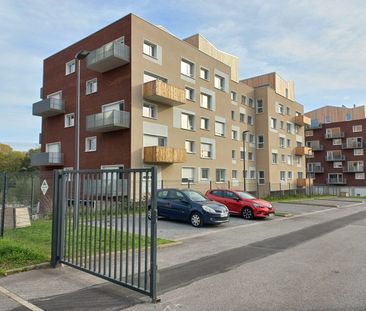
333,135
300,151
316,146
48,107
158,154
335,157
314,126
336,181
161,92
351,168
352,145
108,121
109,56
316,169
304,182
47,159
302,120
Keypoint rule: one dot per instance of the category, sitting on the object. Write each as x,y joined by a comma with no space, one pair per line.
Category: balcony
304,182
334,135
336,181
47,159
353,169
161,92
157,154
313,126
110,56
48,107
316,169
302,120
335,157
317,147
352,145
108,121
300,151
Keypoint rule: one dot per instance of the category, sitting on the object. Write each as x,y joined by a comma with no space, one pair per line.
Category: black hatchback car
191,206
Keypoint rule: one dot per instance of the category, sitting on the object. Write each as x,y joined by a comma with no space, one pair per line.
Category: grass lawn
23,247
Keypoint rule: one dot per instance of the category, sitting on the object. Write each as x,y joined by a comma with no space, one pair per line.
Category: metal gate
101,225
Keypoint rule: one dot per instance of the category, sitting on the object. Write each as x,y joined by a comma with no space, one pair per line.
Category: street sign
44,187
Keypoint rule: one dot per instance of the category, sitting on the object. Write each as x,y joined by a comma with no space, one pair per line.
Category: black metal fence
101,225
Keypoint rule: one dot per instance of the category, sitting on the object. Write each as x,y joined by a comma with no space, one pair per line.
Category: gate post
153,256
3,206
56,218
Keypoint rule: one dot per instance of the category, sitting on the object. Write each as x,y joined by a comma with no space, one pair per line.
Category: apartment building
336,136
149,98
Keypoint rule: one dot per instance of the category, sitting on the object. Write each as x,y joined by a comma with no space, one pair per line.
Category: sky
321,45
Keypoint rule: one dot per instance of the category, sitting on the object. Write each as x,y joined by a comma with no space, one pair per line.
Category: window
357,152
91,86
204,73
219,82
233,154
250,120
282,142
282,176
288,111
150,49
90,144
152,77
289,127
250,156
274,158
251,102
206,151
337,165
259,106
297,129
234,135
359,175
283,158
289,159
233,96
357,128
261,179
220,175
206,101
348,117
288,142
205,174
273,123
204,124
234,174
219,128
242,155
252,174
243,100
189,145
327,119
187,68
149,110
309,133
281,125
280,108
69,119
189,93
289,175
337,141
187,121
152,140
70,67
286,92
242,118
188,174
260,142
233,115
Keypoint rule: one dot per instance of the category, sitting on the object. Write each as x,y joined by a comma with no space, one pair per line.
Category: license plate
224,214
271,215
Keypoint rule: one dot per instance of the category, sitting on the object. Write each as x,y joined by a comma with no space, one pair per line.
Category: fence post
210,184
32,196
228,184
56,218
153,257
3,206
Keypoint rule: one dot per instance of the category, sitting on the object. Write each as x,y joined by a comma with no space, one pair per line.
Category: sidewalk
66,288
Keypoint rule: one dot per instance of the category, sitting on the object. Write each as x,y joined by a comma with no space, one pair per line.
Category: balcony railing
352,145
334,135
336,181
353,169
47,159
108,121
317,147
316,169
304,182
300,151
335,157
110,56
48,107
313,126
302,120
165,93
158,154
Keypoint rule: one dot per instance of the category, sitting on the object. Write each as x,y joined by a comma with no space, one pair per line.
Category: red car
242,203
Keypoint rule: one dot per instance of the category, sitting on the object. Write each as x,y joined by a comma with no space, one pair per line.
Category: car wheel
247,213
196,220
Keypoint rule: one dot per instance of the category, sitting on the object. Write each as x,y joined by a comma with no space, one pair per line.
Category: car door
179,208
233,202
163,203
218,196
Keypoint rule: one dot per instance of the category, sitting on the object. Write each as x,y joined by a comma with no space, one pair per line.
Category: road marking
258,223
19,299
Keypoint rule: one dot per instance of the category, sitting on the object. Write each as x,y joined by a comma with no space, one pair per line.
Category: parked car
191,206
242,203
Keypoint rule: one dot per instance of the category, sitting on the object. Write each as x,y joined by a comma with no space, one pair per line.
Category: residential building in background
336,136
149,98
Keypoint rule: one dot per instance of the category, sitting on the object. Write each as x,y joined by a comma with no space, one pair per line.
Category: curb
27,268
309,203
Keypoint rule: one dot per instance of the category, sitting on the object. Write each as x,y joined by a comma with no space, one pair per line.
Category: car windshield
195,196
245,195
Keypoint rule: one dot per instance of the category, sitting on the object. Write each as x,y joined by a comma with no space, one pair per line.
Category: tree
15,161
